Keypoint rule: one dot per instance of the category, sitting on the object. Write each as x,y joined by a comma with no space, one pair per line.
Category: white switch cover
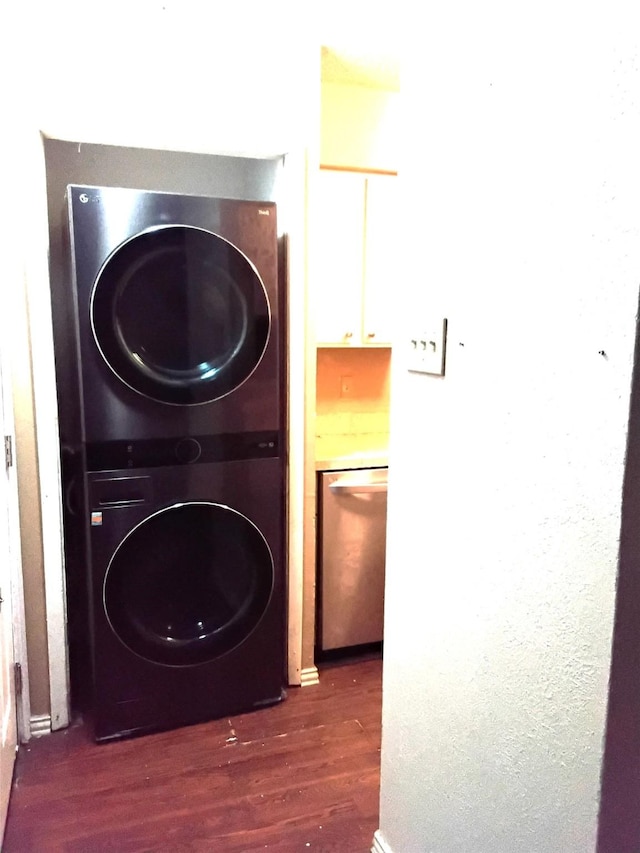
427,349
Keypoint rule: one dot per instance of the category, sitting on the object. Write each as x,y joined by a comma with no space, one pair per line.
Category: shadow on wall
619,823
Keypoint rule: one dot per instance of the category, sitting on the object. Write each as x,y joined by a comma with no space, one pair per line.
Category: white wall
522,227
225,78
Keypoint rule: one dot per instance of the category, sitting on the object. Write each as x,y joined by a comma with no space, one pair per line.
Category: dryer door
180,315
188,584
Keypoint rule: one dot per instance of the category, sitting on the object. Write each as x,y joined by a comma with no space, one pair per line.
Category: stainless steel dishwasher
352,516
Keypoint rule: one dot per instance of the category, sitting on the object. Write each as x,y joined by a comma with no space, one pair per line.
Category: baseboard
308,676
40,725
379,844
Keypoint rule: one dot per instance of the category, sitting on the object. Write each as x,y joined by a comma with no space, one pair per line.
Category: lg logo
84,198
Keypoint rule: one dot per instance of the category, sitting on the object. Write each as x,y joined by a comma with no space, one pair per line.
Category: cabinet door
339,258
382,260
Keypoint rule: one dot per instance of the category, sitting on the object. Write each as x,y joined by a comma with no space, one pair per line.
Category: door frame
38,297
14,306
19,630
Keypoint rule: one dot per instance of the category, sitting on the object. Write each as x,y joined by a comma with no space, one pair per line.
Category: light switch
427,349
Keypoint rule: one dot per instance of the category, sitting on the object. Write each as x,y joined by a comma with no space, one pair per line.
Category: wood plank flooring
302,775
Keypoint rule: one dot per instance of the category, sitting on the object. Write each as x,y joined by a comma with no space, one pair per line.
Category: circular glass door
180,315
188,584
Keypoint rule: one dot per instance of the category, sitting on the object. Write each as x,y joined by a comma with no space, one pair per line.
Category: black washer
188,584
180,315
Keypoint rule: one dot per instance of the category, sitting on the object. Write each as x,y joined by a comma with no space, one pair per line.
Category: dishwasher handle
351,488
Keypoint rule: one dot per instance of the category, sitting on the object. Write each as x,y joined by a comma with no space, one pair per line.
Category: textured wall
523,197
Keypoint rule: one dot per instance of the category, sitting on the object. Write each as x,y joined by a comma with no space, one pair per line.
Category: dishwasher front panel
352,544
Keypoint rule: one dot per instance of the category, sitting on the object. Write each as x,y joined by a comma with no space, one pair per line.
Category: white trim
14,304
40,725
293,219
308,418
379,844
18,618
23,701
47,439
18,614
309,676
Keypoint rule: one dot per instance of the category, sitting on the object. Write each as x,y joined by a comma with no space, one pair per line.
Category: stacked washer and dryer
175,510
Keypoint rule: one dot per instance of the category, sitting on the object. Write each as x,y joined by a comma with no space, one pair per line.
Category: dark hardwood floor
302,775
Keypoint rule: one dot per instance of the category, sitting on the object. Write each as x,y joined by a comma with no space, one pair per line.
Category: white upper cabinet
355,264
339,257
381,265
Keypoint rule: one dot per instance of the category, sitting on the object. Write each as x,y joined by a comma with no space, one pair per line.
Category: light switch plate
427,347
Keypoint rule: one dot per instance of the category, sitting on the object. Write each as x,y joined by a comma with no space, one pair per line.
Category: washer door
188,584
180,315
